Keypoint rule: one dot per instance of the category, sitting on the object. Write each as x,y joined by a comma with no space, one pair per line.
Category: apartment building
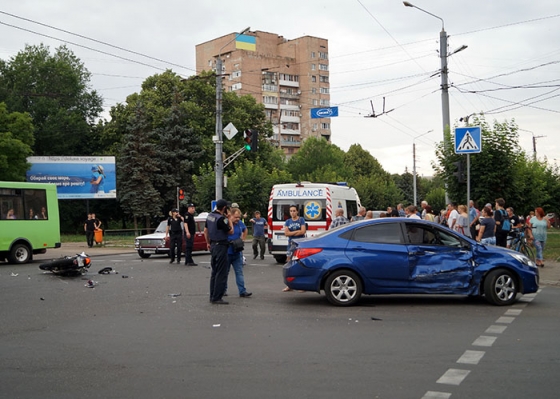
290,77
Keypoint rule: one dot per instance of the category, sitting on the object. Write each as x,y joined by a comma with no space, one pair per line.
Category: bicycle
520,244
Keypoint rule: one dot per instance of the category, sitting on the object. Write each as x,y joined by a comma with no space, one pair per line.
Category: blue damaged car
406,256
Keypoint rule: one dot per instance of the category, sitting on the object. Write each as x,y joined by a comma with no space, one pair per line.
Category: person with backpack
503,225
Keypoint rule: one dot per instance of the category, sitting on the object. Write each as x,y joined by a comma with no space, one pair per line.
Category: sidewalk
549,275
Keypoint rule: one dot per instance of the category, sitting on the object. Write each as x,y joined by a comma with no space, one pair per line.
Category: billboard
76,177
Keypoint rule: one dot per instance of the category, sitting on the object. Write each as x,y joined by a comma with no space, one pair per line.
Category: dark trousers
258,242
188,249
89,238
220,269
176,240
501,238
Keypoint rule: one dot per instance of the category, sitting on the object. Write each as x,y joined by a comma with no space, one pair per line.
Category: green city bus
29,220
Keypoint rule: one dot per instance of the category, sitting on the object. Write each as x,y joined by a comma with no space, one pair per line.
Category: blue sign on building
328,112
468,140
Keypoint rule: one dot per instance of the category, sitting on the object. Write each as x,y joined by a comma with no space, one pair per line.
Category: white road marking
505,320
436,395
471,357
453,377
484,340
514,312
494,329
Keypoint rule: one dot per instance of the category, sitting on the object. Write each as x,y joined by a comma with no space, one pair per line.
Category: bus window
29,220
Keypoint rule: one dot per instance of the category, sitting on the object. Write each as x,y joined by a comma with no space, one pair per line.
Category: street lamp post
414,164
219,170
444,82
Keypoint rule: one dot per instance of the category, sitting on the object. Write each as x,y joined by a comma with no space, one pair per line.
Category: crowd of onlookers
494,225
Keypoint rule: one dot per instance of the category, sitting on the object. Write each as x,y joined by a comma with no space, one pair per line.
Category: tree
494,172
251,183
16,139
318,161
138,163
177,149
54,90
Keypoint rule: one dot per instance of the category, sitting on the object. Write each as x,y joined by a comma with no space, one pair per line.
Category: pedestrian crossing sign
468,140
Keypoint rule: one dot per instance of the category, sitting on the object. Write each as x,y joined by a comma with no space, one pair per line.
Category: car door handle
421,253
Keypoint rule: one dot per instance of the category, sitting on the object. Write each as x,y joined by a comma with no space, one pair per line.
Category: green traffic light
247,147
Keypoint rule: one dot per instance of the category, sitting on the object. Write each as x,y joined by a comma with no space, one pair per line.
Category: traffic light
251,139
181,194
459,171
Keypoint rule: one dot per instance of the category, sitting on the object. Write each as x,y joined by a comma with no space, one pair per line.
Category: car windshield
162,227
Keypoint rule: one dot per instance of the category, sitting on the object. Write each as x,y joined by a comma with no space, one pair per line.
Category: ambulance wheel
280,258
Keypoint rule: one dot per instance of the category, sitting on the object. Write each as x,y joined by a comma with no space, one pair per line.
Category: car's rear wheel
144,254
343,288
500,287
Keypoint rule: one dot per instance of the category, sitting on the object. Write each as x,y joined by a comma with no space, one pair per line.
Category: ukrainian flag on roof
246,42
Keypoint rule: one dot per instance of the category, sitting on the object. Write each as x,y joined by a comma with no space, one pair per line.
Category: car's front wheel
500,287
343,288
143,254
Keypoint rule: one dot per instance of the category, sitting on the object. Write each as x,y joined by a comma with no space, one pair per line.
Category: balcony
290,143
288,83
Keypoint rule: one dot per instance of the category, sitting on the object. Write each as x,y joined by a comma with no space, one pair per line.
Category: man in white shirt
452,215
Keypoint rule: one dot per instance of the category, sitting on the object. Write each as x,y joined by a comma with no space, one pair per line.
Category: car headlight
523,259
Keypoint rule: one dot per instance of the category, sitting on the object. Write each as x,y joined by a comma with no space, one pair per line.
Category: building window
290,126
270,100
325,102
314,78
324,90
313,54
288,112
236,74
325,125
323,67
289,78
323,56
236,86
313,90
315,101
324,79
312,67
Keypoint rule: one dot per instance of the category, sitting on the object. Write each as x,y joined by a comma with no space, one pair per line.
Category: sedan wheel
343,288
143,254
500,287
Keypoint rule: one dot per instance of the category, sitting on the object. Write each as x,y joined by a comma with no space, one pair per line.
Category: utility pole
446,120
218,138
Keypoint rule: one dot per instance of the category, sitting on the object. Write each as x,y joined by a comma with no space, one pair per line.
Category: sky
377,49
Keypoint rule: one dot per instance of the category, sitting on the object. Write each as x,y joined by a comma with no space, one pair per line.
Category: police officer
190,230
175,233
216,231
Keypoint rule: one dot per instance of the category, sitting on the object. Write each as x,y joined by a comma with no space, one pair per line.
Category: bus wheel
20,253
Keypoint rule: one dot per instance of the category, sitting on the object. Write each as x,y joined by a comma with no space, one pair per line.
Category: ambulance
316,203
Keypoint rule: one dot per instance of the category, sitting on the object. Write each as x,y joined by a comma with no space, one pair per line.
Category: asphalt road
153,334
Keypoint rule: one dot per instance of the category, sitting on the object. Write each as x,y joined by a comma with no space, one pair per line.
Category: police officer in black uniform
190,231
175,232
216,231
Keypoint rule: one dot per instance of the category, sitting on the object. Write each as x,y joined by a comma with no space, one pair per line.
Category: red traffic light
181,194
